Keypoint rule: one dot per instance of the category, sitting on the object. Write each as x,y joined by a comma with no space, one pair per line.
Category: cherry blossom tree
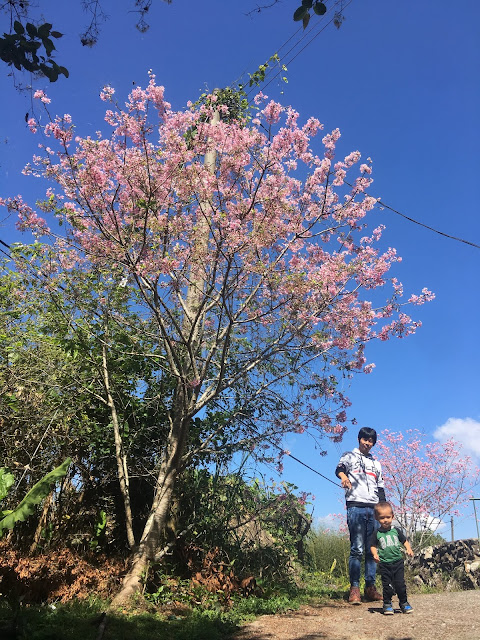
245,250
424,480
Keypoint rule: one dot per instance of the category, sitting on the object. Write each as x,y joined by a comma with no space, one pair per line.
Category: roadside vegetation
181,608
199,590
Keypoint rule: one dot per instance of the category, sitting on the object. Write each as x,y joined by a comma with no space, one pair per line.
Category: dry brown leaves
57,575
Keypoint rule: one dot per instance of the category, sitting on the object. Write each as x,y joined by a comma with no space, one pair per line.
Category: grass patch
78,620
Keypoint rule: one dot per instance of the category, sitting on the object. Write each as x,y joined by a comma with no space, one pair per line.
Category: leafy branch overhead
22,49
319,8
27,47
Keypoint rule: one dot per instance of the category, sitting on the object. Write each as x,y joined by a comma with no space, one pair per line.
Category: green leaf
18,26
31,30
306,20
300,13
307,3
56,34
44,30
100,526
319,8
49,46
50,72
36,494
6,481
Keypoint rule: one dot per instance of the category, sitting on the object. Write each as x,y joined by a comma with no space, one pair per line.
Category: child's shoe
388,609
406,608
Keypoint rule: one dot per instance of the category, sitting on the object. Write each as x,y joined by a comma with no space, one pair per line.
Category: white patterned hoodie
365,474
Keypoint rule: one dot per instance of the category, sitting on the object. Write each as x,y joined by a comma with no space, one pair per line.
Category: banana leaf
6,481
36,494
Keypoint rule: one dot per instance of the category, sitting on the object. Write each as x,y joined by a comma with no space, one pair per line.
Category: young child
385,545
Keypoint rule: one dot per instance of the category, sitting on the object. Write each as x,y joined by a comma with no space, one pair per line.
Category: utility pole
451,528
476,519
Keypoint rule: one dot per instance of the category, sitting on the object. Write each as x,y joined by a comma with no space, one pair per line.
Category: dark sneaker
372,594
406,608
388,609
354,597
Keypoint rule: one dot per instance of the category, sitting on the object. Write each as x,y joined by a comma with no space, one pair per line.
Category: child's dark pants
393,581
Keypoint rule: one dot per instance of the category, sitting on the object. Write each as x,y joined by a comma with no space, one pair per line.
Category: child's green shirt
389,544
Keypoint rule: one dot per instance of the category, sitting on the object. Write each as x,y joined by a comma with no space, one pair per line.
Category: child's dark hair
382,505
368,434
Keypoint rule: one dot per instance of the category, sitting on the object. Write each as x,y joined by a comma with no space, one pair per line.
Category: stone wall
450,565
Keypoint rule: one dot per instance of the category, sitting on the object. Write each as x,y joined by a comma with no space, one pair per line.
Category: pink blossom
40,95
107,93
259,98
272,112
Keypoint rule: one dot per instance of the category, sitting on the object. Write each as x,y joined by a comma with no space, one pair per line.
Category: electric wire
426,226
304,464
421,224
320,28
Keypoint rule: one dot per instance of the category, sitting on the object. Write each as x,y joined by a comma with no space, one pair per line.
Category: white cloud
332,521
463,430
434,524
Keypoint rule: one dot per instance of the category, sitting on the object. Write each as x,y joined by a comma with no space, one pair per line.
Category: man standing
361,477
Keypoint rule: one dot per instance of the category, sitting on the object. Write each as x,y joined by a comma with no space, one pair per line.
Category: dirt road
437,616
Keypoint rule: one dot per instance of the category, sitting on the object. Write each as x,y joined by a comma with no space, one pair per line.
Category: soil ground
437,616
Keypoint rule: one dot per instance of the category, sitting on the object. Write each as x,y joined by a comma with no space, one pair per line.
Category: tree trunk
122,468
155,524
42,521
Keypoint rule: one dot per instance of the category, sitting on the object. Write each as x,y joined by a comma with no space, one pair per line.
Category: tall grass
328,553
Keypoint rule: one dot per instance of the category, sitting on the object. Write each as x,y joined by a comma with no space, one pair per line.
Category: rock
458,561
418,580
427,553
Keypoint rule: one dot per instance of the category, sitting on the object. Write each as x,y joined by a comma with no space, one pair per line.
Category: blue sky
402,82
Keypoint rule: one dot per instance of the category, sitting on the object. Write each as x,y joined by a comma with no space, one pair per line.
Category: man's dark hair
367,433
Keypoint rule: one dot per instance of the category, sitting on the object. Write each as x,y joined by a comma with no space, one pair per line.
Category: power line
284,451
319,31
316,27
421,224
426,226
312,469
380,202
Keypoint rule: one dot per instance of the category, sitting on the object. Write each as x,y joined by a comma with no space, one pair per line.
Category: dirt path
436,616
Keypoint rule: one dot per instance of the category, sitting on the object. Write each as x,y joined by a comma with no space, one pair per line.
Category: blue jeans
361,524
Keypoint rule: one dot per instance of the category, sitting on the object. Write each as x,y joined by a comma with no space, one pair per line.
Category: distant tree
424,480
422,539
